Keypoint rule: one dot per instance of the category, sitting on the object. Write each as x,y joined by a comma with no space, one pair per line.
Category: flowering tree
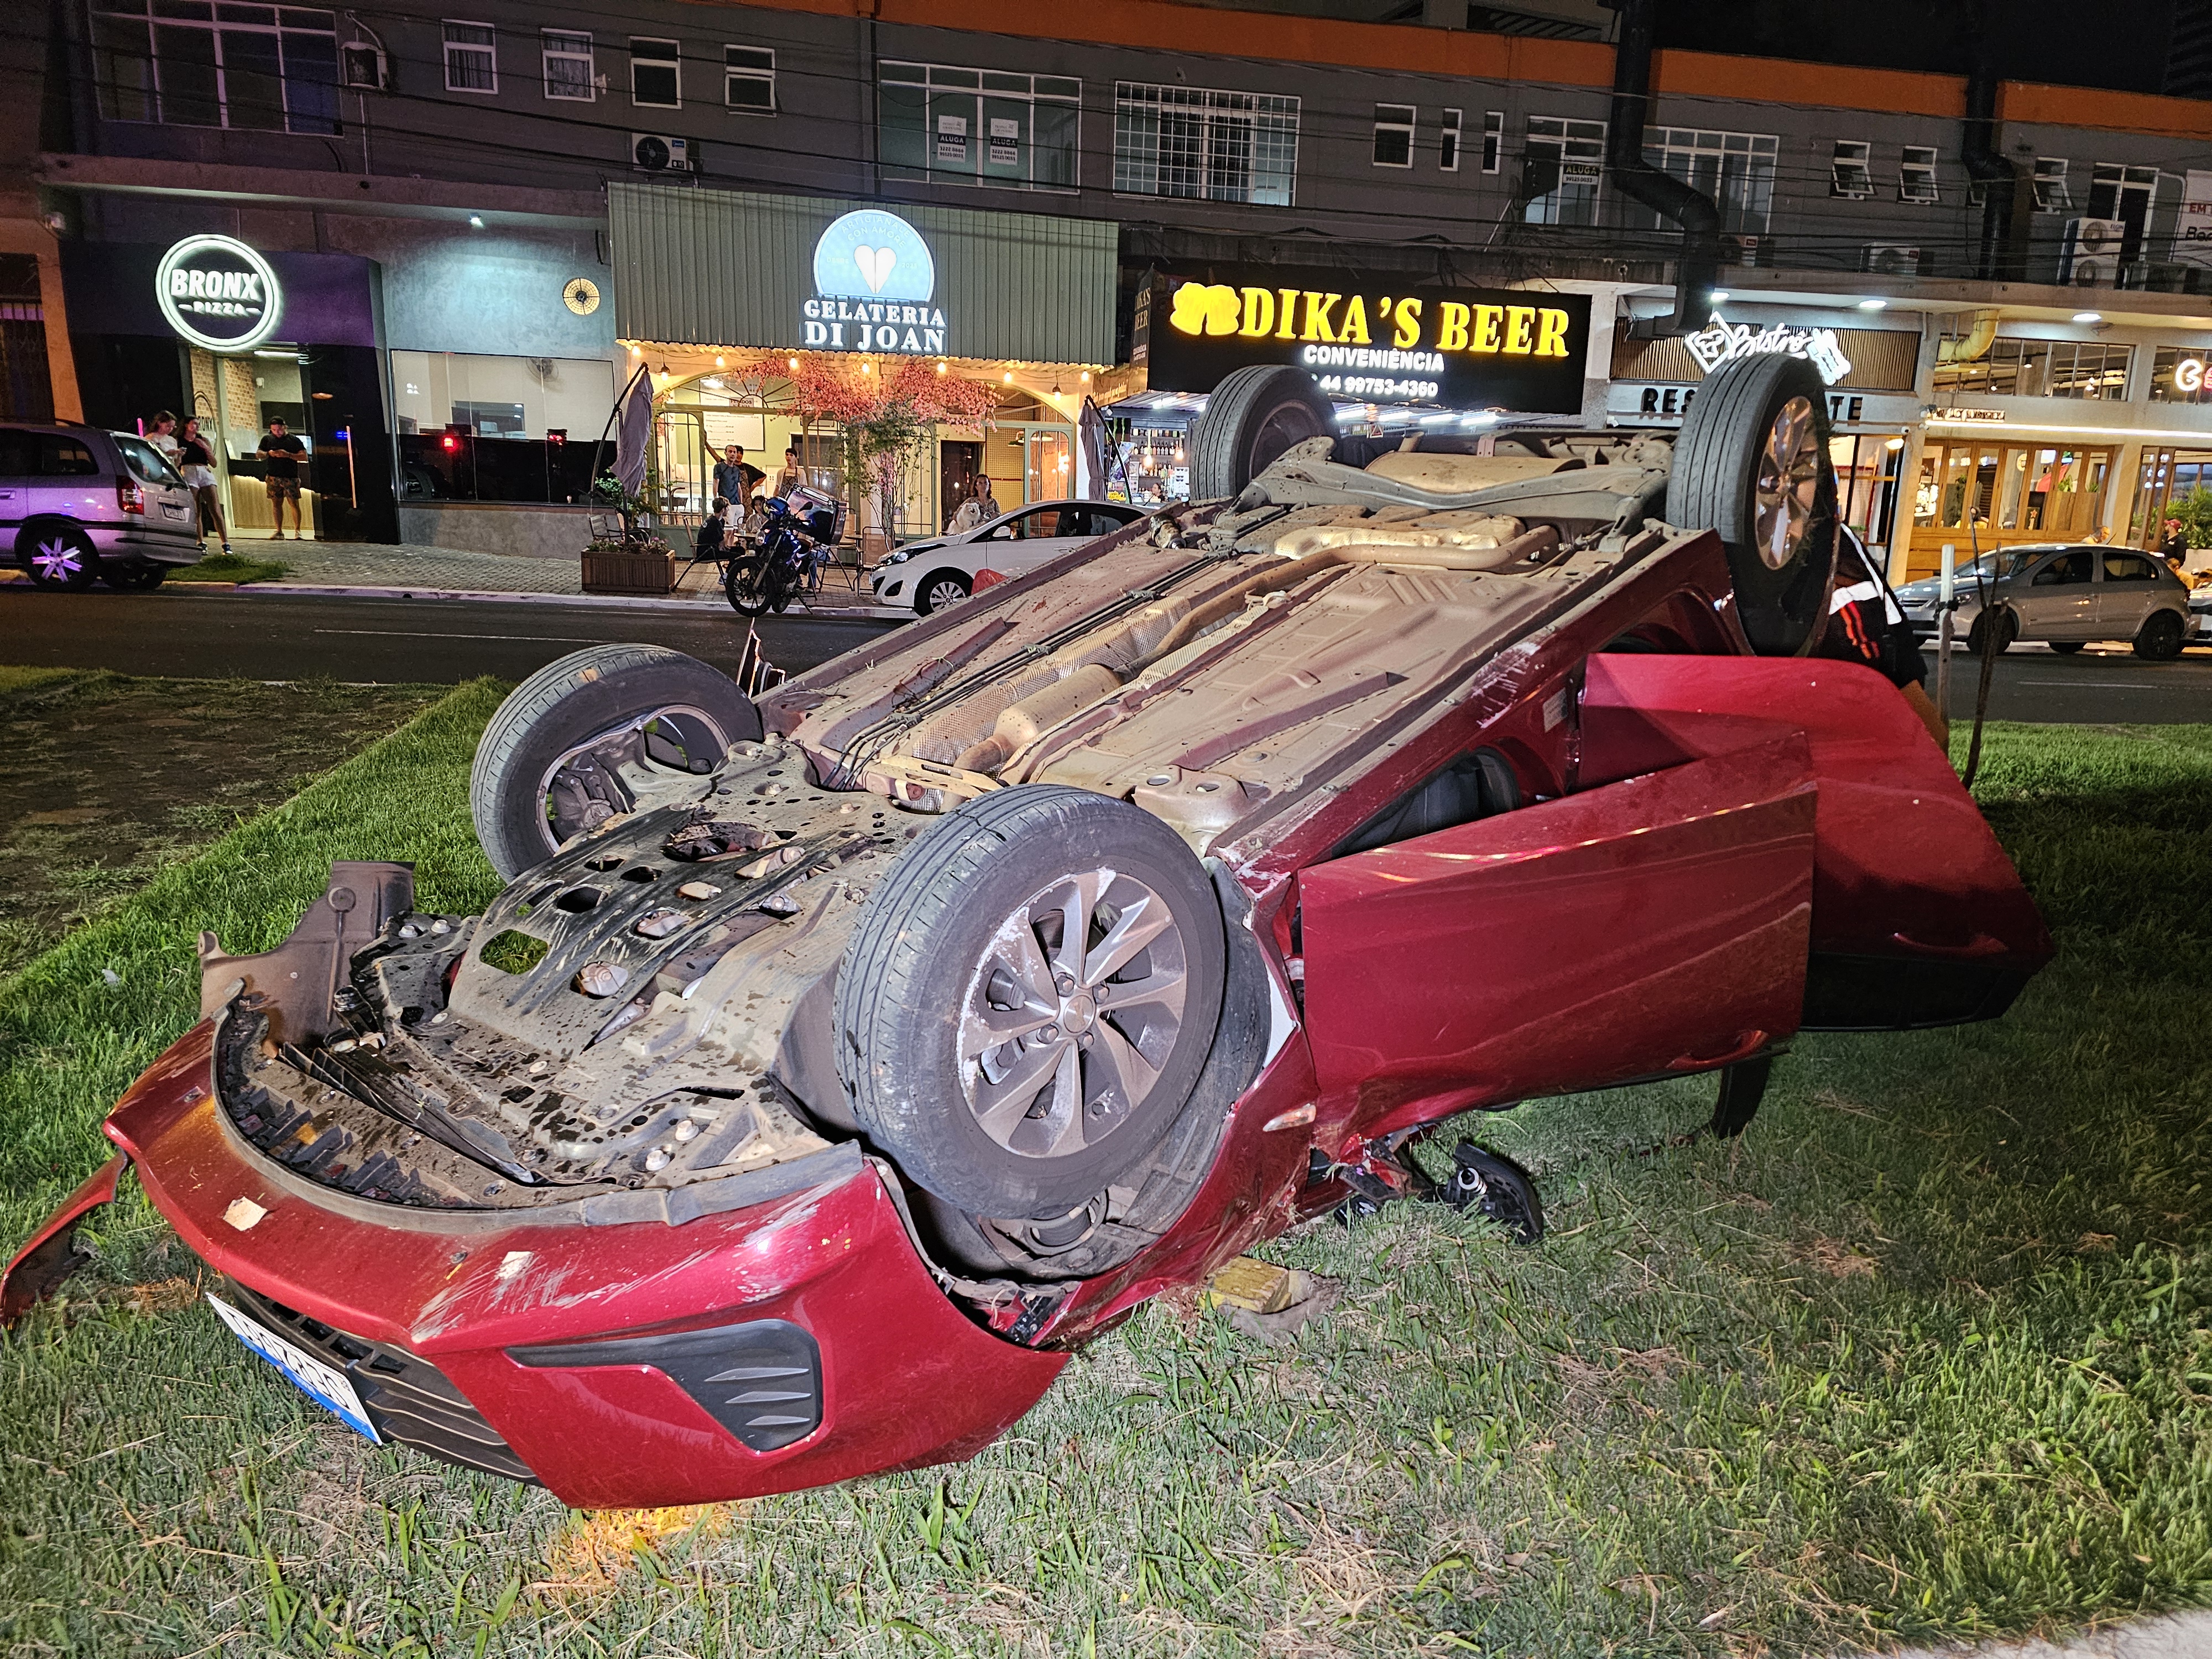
886,408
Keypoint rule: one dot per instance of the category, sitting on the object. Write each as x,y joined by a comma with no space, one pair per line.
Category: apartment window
1562,165
1734,169
977,126
656,74
1447,142
749,80
568,59
1218,146
1849,175
266,68
1916,176
2050,194
472,61
1393,135
2178,375
2041,368
1493,139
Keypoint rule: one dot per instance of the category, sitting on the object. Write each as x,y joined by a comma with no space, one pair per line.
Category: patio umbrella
634,431
1091,452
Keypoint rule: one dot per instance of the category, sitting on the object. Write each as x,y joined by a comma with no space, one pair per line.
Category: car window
63,456
17,448
2129,568
2064,570
1047,523
147,464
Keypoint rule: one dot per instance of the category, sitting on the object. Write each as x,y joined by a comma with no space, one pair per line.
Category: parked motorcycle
798,537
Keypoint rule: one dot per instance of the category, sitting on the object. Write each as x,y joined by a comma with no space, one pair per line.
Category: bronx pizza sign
218,292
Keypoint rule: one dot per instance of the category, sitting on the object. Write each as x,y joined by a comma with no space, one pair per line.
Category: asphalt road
2098,685
262,637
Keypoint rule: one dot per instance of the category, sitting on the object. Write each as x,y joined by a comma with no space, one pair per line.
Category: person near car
790,478
968,514
984,499
162,432
1866,625
195,464
2174,543
280,453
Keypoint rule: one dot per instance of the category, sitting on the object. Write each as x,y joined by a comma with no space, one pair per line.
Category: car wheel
943,587
1752,464
135,578
2160,638
1030,998
548,766
746,586
1251,418
59,556
1988,635
2066,648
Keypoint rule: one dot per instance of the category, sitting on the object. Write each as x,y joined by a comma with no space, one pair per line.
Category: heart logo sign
875,264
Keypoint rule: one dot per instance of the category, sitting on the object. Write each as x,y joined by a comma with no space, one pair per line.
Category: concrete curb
320,591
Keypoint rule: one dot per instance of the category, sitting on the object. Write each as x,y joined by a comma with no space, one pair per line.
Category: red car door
1657,923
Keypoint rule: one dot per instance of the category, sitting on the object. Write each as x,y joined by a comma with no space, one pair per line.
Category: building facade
451,189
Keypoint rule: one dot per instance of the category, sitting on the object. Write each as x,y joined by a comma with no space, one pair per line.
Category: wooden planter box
629,573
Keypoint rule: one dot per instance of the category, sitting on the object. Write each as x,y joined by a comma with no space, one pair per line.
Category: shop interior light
2089,316
1873,305
1894,444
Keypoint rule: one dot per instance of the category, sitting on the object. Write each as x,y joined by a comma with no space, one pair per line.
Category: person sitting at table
712,539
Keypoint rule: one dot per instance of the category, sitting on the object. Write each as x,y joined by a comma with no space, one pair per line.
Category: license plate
327,1387
174,512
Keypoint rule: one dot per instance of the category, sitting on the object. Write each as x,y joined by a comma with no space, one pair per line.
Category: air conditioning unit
362,66
2090,257
1889,259
653,152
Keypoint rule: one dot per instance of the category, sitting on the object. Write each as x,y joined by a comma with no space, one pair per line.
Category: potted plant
635,561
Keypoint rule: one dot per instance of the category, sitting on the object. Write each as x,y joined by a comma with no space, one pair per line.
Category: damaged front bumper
791,1340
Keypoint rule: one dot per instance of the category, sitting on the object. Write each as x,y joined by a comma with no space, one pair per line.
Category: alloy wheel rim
1789,483
945,593
672,737
1071,1013
57,561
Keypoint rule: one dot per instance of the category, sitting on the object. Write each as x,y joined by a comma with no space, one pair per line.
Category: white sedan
927,575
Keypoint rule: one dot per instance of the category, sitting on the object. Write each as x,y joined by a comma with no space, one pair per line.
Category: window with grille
1393,135
955,125
1916,175
1493,139
2051,192
2041,368
568,59
1562,165
749,80
1214,146
1447,142
1849,175
270,68
472,58
656,74
1735,170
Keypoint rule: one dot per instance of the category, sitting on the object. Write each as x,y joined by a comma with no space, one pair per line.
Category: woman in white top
195,462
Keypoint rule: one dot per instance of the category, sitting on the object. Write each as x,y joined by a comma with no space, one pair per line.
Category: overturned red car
843,1055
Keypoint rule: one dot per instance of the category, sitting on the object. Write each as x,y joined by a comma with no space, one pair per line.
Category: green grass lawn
230,567
1924,1354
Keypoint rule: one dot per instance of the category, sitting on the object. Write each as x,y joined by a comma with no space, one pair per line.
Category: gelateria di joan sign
875,288
1379,342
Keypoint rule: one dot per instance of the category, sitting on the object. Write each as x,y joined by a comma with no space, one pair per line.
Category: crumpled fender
37,1270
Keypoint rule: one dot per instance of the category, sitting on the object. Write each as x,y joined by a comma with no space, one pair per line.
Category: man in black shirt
280,473
1866,626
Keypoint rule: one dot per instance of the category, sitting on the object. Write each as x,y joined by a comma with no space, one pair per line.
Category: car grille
407,1398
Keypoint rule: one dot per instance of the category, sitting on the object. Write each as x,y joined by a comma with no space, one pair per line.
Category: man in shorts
280,462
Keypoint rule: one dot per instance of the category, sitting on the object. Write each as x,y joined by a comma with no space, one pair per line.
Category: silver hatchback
76,502
2063,595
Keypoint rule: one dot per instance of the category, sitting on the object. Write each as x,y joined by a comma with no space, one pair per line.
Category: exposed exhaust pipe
1698,266
1999,256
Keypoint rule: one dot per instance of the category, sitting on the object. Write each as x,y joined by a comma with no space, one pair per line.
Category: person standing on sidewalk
196,464
279,459
162,432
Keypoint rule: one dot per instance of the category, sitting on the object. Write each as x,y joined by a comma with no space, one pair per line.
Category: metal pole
1945,604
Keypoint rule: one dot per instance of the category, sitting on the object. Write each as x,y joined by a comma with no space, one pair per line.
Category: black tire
58,557
936,590
2000,635
2066,648
135,578
924,974
1782,554
1497,1186
745,586
531,788
1251,418
2160,638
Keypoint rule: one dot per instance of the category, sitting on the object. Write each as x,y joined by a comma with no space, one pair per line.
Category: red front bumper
905,1379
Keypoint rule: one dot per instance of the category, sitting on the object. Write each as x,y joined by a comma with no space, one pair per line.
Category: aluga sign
219,293
874,284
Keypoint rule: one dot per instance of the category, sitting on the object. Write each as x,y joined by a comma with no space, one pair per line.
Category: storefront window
978,126
2040,368
2020,491
268,68
1217,146
2178,374
498,428
2165,478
